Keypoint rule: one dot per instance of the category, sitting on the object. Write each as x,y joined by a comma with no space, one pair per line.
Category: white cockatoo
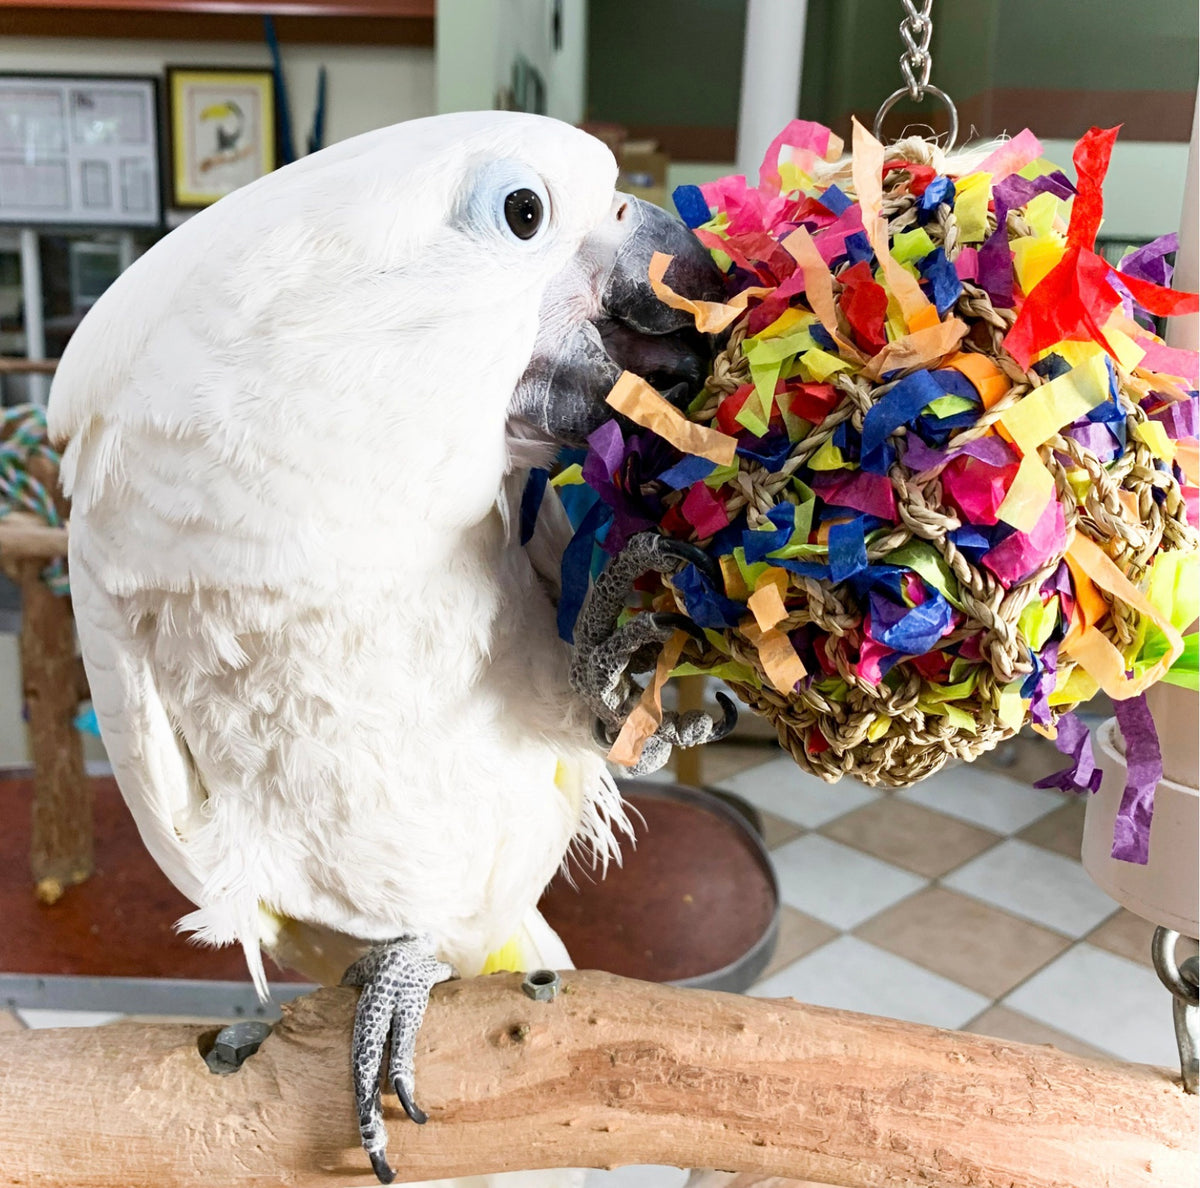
325,670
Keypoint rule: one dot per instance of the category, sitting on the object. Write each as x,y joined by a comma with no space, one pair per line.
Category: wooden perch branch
611,1072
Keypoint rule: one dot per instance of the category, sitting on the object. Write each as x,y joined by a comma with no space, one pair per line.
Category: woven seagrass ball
943,465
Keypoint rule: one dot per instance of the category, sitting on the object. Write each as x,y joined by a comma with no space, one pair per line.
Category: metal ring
936,92
1162,949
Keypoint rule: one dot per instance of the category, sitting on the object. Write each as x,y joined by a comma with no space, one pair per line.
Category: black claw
379,1162
694,555
411,1108
663,619
729,720
600,733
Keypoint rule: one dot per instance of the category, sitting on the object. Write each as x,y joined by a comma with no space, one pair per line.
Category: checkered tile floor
959,903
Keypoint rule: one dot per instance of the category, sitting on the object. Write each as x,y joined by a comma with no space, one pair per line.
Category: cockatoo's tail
944,470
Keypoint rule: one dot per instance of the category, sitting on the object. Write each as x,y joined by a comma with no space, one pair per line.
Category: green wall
678,62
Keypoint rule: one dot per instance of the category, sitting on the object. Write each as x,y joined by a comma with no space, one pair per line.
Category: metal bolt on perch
541,985
235,1045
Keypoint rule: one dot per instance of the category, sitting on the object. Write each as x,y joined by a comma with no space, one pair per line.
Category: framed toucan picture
221,125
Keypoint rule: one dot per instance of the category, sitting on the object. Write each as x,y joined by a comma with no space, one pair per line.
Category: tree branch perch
612,1071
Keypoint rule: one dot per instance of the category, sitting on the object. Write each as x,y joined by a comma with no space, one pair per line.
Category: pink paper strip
1011,156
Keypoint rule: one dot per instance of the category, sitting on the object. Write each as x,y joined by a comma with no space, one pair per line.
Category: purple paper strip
1016,190
991,450
996,268
1149,262
1144,770
1178,417
1039,703
1097,437
1083,775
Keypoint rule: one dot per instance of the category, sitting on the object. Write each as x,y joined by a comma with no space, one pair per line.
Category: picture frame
221,131
79,150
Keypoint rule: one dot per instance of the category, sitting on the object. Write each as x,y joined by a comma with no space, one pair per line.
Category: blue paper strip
942,279
847,549
688,470
577,569
706,607
834,200
901,406
689,201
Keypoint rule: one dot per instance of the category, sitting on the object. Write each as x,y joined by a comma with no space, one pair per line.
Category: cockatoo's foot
396,978
606,655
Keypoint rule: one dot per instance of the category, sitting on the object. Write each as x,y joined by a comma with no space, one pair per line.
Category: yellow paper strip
1154,434
635,398
1034,419
971,194
711,316
1038,416
1093,650
779,660
646,717
767,601
1031,490
918,349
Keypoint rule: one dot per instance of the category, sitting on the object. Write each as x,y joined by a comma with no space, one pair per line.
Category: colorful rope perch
23,438
964,490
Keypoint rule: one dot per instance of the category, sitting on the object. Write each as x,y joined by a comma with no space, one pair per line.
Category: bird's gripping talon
396,978
606,655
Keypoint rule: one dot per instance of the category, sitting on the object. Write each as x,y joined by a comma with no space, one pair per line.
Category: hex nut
541,984
235,1044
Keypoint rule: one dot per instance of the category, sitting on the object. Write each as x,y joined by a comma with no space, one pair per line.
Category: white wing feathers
152,765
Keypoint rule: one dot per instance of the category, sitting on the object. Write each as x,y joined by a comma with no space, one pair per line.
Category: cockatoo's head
504,235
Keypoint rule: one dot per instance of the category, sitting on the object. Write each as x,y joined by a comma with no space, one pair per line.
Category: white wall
478,39
368,87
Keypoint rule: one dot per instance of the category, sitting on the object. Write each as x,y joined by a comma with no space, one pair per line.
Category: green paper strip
925,560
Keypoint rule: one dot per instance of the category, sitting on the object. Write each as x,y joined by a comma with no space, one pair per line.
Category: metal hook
1184,983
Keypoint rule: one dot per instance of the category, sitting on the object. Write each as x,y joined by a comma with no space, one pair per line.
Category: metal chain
916,29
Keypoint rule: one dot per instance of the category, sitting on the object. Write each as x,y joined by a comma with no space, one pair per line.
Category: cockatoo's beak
602,317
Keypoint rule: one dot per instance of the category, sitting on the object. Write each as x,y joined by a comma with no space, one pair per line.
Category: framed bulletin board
79,150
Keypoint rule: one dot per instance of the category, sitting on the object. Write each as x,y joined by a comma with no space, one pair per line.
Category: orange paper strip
779,660
635,398
918,349
988,380
711,316
646,717
919,312
1090,606
767,601
818,287
1093,650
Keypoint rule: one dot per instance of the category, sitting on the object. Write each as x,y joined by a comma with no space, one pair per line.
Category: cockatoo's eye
506,198
523,213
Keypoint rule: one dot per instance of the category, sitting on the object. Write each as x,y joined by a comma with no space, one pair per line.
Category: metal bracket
1184,983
